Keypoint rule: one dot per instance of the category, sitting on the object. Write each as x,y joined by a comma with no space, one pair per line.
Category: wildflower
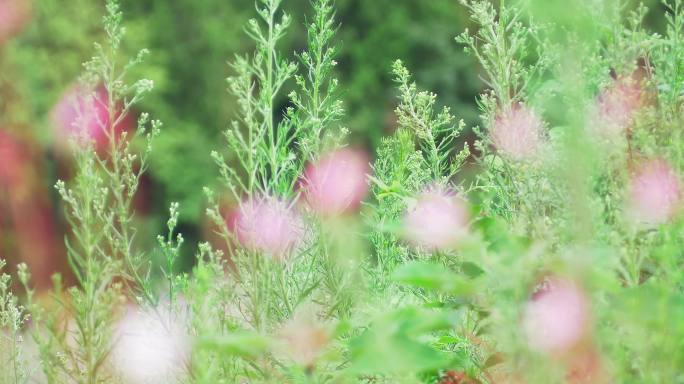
438,221
517,133
150,348
304,337
556,318
615,108
654,194
14,14
337,183
87,116
266,225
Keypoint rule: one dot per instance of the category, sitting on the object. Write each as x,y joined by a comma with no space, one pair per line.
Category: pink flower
438,221
517,133
304,337
150,347
266,225
14,14
654,193
615,108
557,317
337,183
78,114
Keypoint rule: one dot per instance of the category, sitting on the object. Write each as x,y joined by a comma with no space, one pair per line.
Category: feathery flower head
654,193
266,225
615,108
337,183
438,221
80,114
557,316
517,133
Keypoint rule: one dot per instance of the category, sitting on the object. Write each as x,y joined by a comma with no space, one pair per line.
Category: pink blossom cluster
333,186
438,221
654,193
557,316
615,109
517,133
82,114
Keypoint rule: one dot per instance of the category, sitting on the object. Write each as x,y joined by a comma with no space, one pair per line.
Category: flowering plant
546,250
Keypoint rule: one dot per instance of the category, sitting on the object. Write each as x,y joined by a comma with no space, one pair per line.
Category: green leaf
243,344
435,277
395,343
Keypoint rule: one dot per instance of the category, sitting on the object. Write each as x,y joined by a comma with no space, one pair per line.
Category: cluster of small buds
654,193
82,114
517,133
437,221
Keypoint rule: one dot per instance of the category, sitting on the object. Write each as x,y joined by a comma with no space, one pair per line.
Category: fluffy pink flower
14,14
517,133
150,348
304,337
654,193
438,221
615,108
266,225
77,113
557,317
337,183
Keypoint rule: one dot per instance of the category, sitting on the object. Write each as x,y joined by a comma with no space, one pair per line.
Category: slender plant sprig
317,105
436,131
98,208
503,45
669,57
258,142
170,247
124,165
13,317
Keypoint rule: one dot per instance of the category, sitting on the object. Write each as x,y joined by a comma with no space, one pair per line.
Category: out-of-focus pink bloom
150,348
266,225
337,183
557,317
304,337
438,221
517,133
615,108
80,113
14,14
654,193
